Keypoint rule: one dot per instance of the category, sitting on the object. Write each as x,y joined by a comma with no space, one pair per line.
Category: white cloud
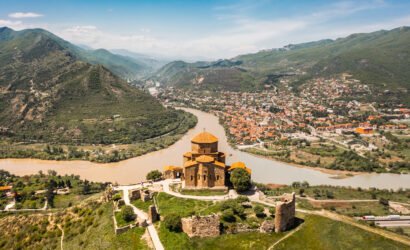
19,15
9,23
239,33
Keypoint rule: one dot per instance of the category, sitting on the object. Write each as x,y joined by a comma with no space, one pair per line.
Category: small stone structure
267,226
134,194
142,194
285,213
201,226
153,215
145,195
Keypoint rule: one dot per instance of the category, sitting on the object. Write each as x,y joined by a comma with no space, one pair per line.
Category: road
394,223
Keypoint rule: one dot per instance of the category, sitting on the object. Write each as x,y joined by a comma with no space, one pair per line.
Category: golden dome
204,137
205,159
240,164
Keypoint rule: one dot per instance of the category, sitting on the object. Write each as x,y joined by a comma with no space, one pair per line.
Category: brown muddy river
263,170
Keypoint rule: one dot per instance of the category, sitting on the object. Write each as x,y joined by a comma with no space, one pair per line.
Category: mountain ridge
379,58
48,94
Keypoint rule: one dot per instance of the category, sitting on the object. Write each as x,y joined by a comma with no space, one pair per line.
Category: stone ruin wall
201,226
285,213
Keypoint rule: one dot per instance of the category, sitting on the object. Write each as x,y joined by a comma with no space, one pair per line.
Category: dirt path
52,223
285,237
62,236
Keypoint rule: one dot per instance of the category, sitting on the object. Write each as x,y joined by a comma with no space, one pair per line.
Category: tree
259,211
68,183
51,172
173,223
86,187
127,213
154,175
240,179
296,184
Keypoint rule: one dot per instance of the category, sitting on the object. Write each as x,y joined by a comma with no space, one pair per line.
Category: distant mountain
49,93
152,62
380,59
125,67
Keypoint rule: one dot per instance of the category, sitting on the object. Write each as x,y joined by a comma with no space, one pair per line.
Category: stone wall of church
190,176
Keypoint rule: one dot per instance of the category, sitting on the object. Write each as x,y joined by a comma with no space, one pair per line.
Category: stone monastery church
204,166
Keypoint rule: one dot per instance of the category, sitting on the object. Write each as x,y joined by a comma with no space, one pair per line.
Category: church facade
204,166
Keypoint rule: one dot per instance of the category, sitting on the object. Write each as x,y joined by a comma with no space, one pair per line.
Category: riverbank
95,153
337,174
134,170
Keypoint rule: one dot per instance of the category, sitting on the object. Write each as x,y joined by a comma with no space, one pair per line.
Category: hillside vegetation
48,94
380,59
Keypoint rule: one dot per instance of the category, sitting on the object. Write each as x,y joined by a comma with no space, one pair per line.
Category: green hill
48,94
380,59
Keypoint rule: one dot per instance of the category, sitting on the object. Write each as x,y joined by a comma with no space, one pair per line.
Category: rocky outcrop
267,226
285,213
201,226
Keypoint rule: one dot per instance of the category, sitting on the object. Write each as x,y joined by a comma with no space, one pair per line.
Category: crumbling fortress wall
285,213
201,226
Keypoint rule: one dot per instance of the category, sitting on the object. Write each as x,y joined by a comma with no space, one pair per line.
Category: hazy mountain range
380,59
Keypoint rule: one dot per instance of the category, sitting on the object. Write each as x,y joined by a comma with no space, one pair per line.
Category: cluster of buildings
324,105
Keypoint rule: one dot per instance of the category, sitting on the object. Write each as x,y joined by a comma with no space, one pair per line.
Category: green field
321,233
204,192
142,205
102,236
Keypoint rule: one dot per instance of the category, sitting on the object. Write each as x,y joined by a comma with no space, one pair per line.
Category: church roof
172,168
240,164
205,159
220,164
190,163
204,137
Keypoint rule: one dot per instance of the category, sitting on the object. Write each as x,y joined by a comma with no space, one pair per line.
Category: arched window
204,177
217,177
192,177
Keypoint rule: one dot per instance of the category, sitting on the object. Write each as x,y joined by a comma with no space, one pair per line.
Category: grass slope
322,233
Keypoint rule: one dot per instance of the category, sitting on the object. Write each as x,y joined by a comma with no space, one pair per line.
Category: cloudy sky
192,30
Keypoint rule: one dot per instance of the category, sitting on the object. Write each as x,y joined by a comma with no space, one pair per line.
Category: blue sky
202,29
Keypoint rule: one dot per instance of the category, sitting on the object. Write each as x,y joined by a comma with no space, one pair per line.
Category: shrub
236,207
242,198
127,213
173,223
272,211
154,175
116,197
228,215
384,201
259,211
240,180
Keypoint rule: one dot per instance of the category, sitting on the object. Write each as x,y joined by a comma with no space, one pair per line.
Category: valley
306,146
